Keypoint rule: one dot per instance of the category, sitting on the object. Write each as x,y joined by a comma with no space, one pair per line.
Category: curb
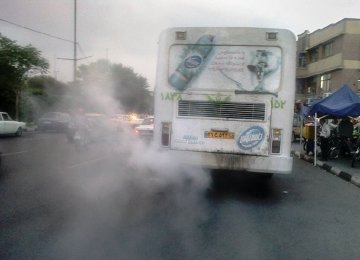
331,169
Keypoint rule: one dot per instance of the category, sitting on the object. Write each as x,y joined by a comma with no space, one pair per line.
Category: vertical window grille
328,49
325,80
302,60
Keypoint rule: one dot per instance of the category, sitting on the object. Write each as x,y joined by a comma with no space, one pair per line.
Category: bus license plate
219,135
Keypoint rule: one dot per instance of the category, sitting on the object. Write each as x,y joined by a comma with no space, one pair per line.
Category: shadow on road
242,186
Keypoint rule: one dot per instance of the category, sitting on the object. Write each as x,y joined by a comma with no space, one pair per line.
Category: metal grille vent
246,111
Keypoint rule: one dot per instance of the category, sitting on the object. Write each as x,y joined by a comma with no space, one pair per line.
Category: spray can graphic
195,55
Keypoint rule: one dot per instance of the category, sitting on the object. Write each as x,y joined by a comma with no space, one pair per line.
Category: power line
49,35
75,59
81,50
36,31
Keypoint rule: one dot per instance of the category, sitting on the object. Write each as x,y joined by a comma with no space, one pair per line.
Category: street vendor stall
342,103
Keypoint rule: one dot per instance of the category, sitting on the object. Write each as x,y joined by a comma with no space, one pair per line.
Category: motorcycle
334,146
78,133
309,146
81,138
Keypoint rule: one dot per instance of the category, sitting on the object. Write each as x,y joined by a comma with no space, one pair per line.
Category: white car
146,129
8,126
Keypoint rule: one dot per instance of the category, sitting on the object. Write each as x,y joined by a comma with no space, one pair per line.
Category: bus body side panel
224,97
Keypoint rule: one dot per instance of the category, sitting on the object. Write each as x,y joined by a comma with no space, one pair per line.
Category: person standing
357,126
345,132
324,139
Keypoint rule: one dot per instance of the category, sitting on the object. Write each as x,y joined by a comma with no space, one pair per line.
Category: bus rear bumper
249,163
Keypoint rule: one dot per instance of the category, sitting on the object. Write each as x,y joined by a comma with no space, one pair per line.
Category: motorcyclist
79,126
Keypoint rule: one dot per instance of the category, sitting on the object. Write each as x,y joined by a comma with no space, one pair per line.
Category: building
328,58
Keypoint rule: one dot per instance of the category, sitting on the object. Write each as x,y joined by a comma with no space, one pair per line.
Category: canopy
343,102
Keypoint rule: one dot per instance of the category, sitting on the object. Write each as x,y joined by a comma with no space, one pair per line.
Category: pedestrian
334,124
325,131
357,125
345,132
346,127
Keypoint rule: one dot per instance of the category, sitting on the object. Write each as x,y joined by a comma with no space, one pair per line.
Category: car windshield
148,121
56,115
50,115
6,117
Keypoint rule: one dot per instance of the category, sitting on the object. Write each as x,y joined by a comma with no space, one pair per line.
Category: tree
131,90
121,83
16,64
44,93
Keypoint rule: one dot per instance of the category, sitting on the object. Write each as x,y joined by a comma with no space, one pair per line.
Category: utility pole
75,43
74,59
55,68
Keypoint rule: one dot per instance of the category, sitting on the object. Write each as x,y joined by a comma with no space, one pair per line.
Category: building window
300,86
328,49
302,60
311,91
325,82
314,55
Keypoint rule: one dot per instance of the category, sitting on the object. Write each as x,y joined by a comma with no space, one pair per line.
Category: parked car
54,121
8,126
146,129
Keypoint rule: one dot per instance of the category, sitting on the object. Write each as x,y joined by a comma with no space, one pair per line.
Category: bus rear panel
224,97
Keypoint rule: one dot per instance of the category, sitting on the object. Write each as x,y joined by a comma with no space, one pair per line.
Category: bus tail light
165,133
275,140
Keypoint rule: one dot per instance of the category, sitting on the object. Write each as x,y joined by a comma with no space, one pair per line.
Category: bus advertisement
224,97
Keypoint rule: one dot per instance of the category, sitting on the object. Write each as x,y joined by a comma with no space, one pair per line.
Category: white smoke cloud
119,185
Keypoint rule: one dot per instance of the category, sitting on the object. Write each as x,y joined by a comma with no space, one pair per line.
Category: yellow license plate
219,135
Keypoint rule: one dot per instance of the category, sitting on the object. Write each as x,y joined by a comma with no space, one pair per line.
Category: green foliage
16,64
46,85
43,94
20,61
130,90
21,85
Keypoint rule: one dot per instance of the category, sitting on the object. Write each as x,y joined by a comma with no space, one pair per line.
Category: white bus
224,97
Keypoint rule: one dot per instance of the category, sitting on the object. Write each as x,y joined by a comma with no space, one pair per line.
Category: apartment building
328,58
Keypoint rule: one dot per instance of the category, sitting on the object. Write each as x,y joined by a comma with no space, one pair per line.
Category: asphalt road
117,199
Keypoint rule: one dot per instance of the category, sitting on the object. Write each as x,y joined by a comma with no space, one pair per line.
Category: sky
127,32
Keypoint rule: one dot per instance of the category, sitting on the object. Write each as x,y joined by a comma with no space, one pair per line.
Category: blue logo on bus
251,137
193,62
